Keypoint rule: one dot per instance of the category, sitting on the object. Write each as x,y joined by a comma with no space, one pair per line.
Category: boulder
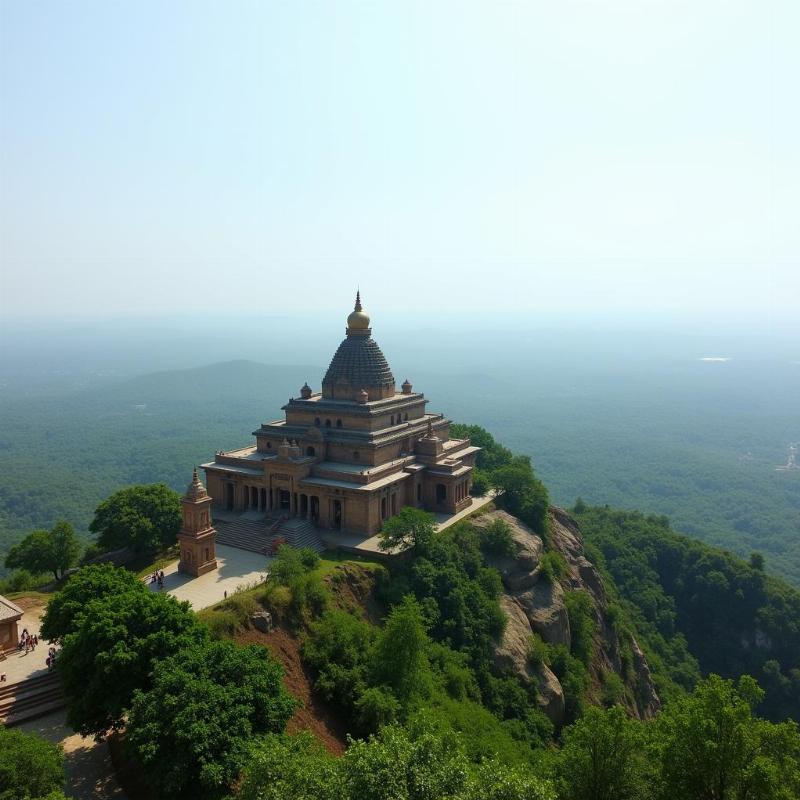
512,651
261,621
546,612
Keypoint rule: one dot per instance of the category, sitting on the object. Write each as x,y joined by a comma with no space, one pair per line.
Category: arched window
405,418
355,455
327,423
269,445
338,423
392,422
310,451
316,421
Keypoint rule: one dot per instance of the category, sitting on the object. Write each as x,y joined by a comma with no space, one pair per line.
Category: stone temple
351,456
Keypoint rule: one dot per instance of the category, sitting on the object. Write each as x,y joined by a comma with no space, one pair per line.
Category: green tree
192,728
337,648
405,765
411,528
602,757
53,551
296,767
88,584
400,659
522,492
494,781
112,651
144,518
712,747
31,768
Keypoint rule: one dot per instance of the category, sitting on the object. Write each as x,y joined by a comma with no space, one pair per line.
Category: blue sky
624,157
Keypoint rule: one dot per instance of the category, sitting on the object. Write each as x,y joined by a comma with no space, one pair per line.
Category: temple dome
358,364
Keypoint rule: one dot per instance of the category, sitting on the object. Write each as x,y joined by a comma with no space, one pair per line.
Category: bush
582,624
221,624
22,581
376,707
613,689
309,558
497,539
538,651
574,679
552,566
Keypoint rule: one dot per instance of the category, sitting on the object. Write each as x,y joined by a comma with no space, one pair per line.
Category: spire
195,490
358,300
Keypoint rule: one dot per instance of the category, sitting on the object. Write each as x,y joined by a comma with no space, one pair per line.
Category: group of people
158,577
51,657
28,641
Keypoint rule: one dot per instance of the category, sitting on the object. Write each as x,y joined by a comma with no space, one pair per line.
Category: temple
350,456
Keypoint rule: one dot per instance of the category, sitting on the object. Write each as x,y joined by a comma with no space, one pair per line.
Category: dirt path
90,774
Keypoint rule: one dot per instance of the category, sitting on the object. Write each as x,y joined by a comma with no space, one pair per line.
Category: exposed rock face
534,604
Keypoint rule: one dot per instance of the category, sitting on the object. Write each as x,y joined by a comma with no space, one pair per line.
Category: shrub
498,539
613,689
309,558
582,624
221,624
538,651
552,566
376,707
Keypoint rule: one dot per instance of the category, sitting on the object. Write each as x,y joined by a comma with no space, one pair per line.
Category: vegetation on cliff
697,609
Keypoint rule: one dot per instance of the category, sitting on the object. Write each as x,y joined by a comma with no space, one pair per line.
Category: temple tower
197,538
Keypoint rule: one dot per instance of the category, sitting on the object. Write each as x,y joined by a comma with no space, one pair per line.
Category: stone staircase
258,535
30,699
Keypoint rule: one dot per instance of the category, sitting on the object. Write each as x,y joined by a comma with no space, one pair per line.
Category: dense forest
695,443
699,609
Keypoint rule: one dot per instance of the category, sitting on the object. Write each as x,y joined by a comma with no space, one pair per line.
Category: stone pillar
197,539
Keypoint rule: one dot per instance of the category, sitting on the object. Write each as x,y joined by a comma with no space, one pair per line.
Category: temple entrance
336,522
441,493
263,498
314,508
284,499
303,505
229,496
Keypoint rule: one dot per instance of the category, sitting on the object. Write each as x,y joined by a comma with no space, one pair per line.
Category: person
225,594
2,677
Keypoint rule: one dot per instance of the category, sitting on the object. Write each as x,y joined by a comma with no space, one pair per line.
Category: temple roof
359,362
9,610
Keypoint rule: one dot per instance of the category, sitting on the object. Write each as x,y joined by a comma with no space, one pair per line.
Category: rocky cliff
535,603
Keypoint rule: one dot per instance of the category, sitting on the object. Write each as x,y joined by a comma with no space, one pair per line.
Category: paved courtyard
237,569
18,666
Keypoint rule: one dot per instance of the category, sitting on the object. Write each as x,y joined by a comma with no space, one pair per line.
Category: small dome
358,319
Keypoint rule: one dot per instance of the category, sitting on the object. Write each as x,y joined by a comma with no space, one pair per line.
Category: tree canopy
112,652
144,518
192,729
31,768
88,584
53,551
411,528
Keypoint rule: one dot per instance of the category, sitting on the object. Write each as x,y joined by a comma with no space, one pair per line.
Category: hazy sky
245,156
